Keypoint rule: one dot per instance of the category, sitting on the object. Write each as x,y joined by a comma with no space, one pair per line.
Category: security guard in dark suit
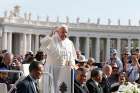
93,84
79,87
29,83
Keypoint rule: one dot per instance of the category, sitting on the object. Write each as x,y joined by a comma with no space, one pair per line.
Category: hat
113,51
30,52
82,59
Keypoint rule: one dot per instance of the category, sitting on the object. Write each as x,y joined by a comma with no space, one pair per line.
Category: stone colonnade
25,42
99,47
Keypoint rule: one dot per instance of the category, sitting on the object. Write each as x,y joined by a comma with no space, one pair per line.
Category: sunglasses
126,54
115,68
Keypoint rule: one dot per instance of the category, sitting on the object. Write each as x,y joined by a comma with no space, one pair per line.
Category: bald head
107,69
91,61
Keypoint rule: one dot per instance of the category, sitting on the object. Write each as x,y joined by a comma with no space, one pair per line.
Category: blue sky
93,9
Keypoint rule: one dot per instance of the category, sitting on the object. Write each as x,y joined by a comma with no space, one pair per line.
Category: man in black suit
93,84
29,84
79,86
107,70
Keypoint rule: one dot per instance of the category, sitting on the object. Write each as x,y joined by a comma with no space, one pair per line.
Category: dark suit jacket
26,86
93,88
106,85
79,89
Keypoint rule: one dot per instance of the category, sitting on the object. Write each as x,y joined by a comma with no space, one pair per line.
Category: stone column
36,43
97,49
9,42
139,43
29,42
119,47
108,48
4,40
129,44
87,47
24,44
77,43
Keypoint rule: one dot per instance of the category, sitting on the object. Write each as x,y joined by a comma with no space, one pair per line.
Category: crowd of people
90,77
58,50
8,61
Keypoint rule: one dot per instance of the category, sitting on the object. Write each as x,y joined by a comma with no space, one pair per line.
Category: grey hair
64,26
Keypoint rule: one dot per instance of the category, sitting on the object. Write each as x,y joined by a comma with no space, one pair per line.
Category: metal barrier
13,71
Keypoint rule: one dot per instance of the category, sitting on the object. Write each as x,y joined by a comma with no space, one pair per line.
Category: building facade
21,34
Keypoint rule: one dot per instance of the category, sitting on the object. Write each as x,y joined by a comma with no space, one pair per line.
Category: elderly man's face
78,53
63,34
8,59
108,71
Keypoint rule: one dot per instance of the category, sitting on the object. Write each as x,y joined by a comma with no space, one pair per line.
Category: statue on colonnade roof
15,12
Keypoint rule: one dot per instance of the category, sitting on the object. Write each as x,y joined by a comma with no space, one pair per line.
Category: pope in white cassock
61,57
